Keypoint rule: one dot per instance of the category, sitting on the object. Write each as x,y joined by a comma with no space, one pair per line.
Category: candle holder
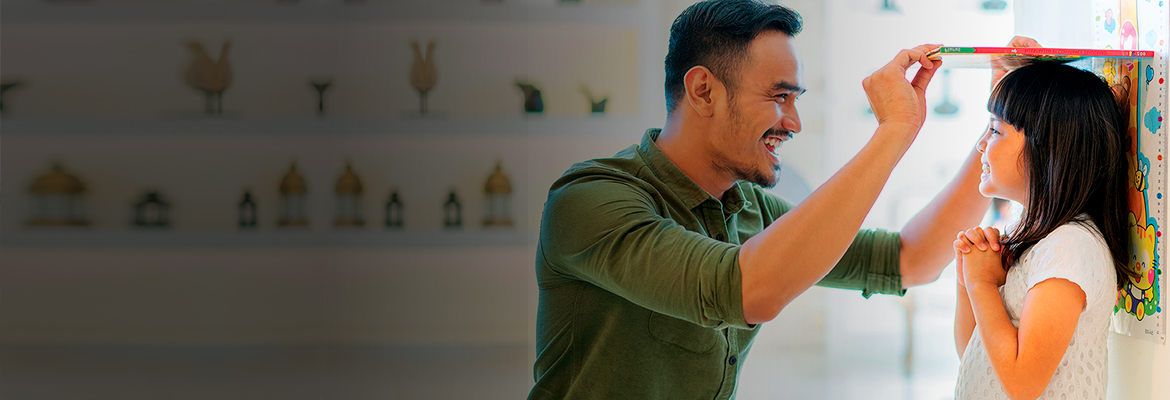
247,211
349,199
452,212
293,191
58,199
394,211
498,190
152,211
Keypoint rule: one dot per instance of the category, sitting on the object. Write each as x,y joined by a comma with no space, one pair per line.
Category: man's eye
782,97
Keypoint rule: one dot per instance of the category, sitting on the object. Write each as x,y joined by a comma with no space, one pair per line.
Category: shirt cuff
884,273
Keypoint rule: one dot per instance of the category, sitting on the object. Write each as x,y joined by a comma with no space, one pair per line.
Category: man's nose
790,121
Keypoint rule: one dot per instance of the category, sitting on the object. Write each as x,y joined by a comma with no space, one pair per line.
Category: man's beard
757,177
747,171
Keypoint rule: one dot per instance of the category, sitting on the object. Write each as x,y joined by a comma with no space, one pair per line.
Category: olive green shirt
639,280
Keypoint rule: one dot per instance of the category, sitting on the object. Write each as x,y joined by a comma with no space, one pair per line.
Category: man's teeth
775,143
986,169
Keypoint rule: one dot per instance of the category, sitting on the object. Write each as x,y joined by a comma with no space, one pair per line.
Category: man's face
762,113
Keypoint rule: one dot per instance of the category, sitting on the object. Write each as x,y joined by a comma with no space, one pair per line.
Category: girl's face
1005,174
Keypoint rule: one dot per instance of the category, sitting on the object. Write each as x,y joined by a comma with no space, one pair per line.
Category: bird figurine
532,101
595,106
4,88
211,77
423,74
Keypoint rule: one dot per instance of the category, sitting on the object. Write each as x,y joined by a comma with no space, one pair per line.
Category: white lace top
1080,255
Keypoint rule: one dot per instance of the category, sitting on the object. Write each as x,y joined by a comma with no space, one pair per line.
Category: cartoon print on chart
1129,38
1109,69
1153,120
1139,296
1110,23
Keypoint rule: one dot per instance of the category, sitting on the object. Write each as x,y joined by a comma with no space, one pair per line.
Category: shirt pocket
682,333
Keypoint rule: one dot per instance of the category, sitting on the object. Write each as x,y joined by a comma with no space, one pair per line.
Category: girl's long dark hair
1074,152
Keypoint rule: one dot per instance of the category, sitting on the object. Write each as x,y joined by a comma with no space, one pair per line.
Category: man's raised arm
801,247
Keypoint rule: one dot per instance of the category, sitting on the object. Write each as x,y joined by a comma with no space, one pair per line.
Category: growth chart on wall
1140,25
1015,57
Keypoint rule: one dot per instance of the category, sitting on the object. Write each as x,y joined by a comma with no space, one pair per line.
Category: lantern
152,211
499,192
247,211
349,199
452,212
393,211
292,199
58,199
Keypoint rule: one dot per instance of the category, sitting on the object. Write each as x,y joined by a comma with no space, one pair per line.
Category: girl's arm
964,319
1024,359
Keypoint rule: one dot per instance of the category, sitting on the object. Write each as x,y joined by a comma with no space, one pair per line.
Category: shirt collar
683,186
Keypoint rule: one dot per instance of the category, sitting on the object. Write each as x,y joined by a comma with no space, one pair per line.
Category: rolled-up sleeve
609,233
871,265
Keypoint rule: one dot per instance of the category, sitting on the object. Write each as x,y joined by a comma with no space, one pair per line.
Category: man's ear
700,84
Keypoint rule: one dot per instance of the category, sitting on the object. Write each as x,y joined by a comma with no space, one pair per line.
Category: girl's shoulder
1075,251
1078,234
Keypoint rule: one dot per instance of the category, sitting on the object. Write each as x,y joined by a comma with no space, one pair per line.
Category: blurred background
340,199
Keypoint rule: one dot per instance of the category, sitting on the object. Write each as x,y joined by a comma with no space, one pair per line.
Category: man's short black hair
716,34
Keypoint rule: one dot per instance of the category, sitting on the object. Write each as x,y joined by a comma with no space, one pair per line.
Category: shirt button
731,360
719,237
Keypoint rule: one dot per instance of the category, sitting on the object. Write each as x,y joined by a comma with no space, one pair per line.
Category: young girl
1056,145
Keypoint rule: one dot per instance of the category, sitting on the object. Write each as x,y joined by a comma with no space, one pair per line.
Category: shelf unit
265,238
42,129
618,13
537,124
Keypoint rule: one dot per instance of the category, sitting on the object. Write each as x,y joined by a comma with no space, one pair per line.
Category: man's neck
682,144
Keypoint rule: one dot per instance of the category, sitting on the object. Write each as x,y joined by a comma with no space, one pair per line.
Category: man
656,267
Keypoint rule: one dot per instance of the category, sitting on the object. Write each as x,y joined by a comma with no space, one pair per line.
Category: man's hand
997,74
981,262
895,100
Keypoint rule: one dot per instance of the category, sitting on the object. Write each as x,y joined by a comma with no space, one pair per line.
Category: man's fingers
1023,41
923,59
908,57
923,77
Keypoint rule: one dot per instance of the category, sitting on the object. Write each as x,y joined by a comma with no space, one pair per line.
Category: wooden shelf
264,238
621,14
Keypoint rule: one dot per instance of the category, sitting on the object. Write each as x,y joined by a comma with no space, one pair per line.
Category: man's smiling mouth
773,141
